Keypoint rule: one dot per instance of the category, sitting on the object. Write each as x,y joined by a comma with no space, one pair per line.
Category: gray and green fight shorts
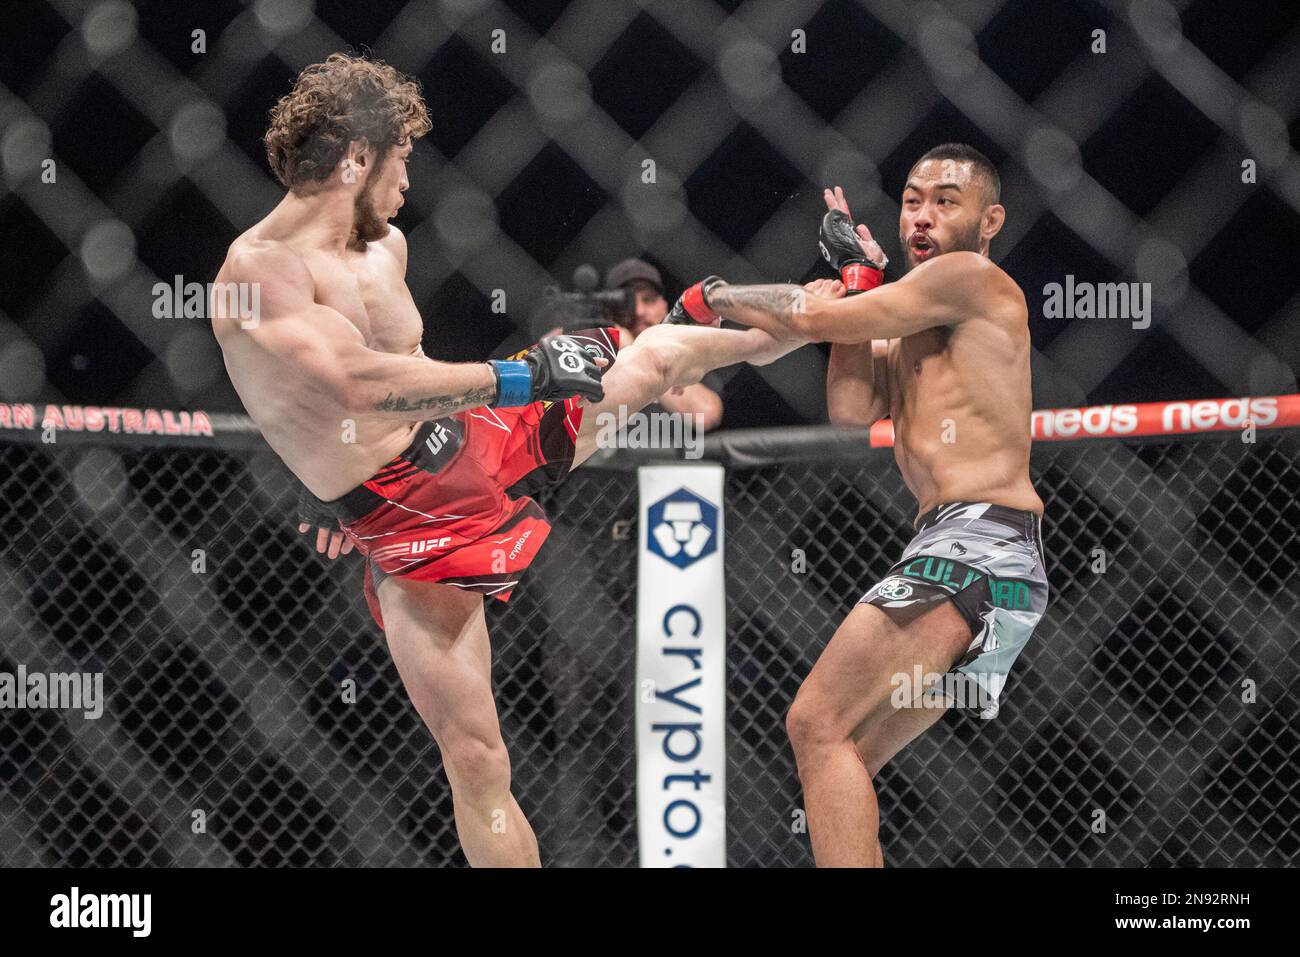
988,561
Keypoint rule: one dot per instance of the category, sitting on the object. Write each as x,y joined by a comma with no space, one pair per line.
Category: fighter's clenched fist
558,367
692,306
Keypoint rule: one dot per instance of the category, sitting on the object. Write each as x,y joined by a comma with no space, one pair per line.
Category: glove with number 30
558,367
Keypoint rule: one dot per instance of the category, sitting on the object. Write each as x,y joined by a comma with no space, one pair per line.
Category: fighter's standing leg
843,724
439,641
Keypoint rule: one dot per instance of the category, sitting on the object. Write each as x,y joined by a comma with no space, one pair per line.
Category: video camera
583,308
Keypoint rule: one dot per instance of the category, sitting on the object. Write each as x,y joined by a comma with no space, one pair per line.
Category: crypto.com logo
683,528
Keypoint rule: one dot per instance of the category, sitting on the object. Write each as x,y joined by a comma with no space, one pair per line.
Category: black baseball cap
632,269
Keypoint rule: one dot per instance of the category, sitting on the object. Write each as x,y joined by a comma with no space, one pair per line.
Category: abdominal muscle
330,476
963,438
936,474
328,451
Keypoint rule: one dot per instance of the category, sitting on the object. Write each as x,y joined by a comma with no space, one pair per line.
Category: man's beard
968,241
369,225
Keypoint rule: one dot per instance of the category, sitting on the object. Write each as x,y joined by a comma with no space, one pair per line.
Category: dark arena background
251,714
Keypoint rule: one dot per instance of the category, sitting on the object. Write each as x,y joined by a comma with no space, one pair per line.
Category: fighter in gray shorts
988,560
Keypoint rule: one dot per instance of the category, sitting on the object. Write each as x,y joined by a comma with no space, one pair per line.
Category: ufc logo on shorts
436,440
429,544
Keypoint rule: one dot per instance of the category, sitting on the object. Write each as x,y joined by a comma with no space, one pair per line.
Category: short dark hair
964,153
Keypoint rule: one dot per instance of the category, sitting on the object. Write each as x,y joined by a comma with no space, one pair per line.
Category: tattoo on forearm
445,403
781,302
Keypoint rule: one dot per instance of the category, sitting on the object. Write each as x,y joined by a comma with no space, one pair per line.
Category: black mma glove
842,248
558,367
312,511
692,307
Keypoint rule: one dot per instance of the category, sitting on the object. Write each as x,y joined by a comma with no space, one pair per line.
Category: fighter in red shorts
428,464
454,506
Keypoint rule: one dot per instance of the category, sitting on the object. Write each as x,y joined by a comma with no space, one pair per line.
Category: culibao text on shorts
76,690
651,430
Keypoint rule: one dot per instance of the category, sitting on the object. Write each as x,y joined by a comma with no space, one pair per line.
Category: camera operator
647,285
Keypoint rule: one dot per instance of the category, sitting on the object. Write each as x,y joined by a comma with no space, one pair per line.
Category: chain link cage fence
545,114
227,645
248,691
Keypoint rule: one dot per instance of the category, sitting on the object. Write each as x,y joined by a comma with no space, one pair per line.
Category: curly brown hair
344,99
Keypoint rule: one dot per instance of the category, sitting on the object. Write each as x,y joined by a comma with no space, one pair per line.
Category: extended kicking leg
666,356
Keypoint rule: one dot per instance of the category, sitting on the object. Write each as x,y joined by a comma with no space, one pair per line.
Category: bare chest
369,291
919,360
